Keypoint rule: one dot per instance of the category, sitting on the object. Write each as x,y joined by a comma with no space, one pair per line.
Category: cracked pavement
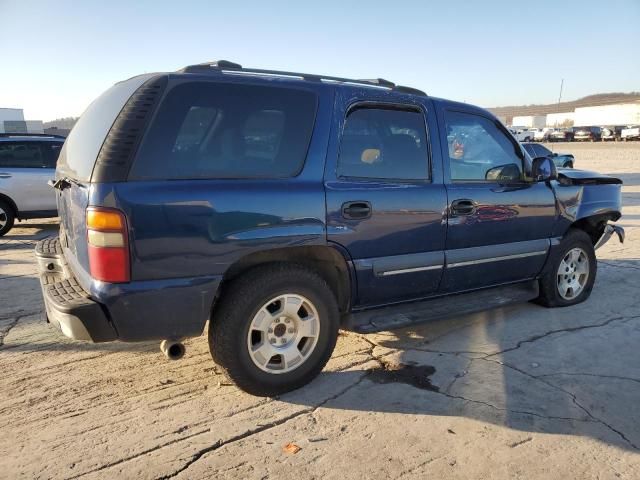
515,392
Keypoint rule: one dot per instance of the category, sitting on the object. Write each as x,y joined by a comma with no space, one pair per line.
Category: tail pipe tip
173,350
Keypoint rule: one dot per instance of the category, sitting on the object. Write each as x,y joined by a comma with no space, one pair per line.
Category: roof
225,66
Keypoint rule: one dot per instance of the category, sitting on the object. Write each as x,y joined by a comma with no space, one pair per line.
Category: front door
386,202
499,225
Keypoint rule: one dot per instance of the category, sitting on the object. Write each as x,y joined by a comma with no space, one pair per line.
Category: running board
403,315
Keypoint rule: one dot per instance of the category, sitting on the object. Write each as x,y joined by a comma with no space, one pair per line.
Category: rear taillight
108,245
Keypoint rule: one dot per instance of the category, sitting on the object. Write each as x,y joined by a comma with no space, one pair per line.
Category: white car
630,133
522,134
27,163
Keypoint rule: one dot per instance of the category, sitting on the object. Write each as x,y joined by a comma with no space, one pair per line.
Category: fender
581,195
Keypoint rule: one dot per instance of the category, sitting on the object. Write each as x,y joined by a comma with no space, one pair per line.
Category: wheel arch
11,203
328,261
593,225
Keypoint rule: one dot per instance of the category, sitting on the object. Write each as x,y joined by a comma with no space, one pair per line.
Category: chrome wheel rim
573,273
3,218
283,334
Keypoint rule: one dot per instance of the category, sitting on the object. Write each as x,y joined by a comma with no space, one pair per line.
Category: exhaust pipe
173,350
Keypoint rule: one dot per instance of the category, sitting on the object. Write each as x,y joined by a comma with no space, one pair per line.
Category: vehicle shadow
568,371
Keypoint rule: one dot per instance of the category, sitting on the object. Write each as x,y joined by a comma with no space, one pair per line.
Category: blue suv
281,207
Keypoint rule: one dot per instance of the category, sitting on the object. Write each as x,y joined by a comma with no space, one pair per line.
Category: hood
569,176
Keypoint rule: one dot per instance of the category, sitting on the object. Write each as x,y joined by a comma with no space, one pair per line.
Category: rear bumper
131,312
67,305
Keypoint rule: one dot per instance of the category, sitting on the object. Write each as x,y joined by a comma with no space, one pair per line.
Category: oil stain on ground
415,375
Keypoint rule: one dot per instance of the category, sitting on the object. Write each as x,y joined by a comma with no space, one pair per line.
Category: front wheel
274,328
571,273
7,217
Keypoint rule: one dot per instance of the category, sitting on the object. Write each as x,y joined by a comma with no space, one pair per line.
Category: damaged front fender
587,197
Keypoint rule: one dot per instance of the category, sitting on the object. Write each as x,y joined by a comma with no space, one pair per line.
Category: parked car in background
27,163
538,134
522,134
587,134
561,160
632,132
561,135
611,133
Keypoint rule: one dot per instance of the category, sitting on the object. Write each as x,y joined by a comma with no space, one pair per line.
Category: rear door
385,198
25,169
498,224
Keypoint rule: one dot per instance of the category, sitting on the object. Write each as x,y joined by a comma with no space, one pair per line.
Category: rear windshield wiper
62,183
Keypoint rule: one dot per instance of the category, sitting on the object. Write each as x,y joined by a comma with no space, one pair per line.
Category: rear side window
29,154
210,130
384,143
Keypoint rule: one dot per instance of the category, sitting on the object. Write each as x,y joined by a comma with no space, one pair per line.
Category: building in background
12,121
530,121
623,114
563,119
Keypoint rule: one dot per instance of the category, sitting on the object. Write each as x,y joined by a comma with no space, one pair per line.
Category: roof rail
378,81
226,65
49,135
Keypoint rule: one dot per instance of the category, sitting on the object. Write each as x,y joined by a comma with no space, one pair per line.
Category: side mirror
543,169
509,172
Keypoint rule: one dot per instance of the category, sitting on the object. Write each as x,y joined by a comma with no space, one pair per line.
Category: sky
57,56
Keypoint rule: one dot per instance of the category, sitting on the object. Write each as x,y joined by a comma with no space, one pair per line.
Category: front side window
384,143
24,155
217,130
479,150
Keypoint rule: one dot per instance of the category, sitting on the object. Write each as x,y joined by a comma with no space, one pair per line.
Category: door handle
356,210
463,207
5,175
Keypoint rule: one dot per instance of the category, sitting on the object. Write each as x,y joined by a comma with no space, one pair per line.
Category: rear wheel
7,217
274,328
571,273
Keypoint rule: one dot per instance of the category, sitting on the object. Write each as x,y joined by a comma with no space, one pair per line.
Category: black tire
241,301
549,290
7,217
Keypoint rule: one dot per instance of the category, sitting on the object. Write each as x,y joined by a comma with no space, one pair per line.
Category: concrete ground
518,392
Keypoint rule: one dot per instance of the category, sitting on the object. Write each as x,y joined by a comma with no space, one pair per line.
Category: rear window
29,154
81,148
210,130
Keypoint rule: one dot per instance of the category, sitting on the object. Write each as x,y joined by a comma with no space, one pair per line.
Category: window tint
541,151
384,143
209,130
529,148
479,150
88,134
29,154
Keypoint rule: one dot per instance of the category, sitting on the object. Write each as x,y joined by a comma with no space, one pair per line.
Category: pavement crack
535,338
457,377
12,323
261,428
597,375
573,399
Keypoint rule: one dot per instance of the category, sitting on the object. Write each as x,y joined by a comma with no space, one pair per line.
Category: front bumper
67,305
609,230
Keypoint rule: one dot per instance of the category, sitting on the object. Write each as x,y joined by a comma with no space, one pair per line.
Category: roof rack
48,135
226,65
